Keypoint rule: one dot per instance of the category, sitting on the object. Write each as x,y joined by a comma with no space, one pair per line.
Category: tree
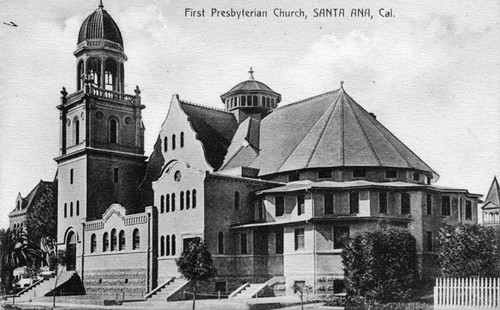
15,251
41,220
301,290
469,250
380,265
60,260
196,264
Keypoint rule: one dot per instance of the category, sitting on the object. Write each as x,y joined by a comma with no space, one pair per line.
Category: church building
274,188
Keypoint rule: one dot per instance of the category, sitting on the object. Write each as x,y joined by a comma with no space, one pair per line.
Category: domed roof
251,85
100,25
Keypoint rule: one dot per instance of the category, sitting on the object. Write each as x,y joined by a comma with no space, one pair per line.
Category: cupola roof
251,86
100,25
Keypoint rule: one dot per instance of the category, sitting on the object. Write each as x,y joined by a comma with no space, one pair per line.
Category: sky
431,72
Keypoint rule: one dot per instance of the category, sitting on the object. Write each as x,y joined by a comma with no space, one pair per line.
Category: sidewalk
285,302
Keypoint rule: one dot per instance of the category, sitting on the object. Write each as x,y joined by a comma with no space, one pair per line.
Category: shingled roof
28,200
214,128
492,200
328,130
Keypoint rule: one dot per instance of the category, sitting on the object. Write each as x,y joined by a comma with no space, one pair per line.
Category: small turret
250,98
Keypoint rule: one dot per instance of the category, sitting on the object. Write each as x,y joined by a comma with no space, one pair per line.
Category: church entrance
71,251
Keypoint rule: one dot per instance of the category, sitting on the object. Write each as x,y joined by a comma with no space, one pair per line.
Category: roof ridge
203,106
368,141
306,99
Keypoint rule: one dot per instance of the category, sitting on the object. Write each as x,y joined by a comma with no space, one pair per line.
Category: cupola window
93,69
255,101
243,101
81,72
110,74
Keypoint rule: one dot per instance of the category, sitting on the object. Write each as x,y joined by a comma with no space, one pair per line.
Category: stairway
169,291
249,290
43,287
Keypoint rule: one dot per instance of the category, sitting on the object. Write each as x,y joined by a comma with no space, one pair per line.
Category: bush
389,306
380,266
469,250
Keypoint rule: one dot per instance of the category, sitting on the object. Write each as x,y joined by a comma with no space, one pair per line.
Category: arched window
94,71
168,245
80,78
194,198
173,202
188,199
272,103
77,208
173,244
71,209
167,200
162,204
236,200
105,242
110,74
182,139
263,101
255,101
121,241
113,240
162,246
181,199
249,100
136,239
18,205
113,130
243,101
76,130
93,243
268,102
220,242
65,210
173,142
165,144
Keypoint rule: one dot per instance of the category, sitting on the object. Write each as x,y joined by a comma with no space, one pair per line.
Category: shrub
469,250
389,306
380,266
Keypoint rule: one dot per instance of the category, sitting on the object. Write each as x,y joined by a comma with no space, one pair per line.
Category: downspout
83,249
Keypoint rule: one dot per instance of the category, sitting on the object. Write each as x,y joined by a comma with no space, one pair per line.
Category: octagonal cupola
250,97
99,52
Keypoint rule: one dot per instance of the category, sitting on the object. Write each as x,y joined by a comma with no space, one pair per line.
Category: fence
467,293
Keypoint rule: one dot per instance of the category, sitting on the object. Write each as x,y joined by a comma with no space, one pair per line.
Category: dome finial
342,85
100,4
251,73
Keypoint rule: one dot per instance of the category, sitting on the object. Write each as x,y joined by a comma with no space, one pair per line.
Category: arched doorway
71,251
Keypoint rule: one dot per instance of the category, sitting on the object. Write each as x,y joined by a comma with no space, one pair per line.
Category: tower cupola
99,52
251,97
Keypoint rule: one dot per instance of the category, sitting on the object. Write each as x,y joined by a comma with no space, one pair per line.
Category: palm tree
15,251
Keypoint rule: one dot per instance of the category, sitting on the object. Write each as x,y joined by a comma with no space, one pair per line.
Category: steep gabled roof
28,200
245,144
214,128
492,200
329,130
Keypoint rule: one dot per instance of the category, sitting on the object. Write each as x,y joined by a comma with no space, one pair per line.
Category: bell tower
101,158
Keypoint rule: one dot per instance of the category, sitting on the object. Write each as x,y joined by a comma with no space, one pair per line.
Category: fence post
436,294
